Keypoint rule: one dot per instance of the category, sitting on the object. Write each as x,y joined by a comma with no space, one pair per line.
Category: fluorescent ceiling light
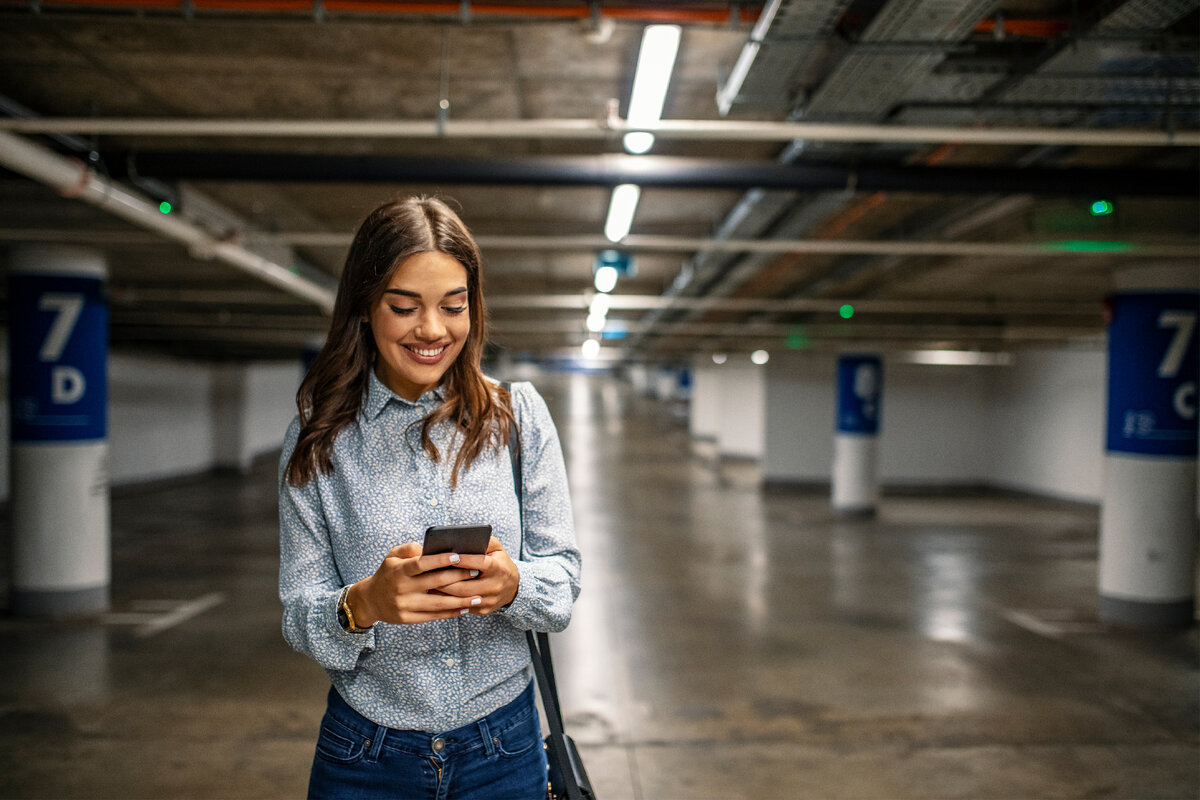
620,211
591,348
656,61
605,279
960,358
596,322
760,357
638,142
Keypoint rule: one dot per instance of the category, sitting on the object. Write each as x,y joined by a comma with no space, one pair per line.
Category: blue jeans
500,757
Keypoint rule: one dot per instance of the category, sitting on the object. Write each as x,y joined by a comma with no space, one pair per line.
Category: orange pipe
1033,28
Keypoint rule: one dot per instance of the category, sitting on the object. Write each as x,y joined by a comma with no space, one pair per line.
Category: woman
399,431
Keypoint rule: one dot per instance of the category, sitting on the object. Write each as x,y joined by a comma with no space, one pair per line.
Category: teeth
427,353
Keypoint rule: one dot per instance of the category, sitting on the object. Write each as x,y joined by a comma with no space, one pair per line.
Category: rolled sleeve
550,565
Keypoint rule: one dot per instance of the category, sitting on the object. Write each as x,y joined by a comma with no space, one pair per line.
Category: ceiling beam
600,128
74,179
653,171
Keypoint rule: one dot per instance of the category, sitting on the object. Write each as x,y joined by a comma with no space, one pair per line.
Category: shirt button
433,502
439,745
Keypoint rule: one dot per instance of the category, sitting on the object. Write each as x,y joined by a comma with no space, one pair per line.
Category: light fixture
605,279
760,357
638,142
596,322
591,348
620,211
656,60
719,358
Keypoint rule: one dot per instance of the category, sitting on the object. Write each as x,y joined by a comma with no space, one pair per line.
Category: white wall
929,425
1036,426
270,405
741,400
934,423
704,411
163,422
1045,424
799,415
159,424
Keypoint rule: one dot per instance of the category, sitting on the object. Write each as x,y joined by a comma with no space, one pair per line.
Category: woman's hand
409,588
497,583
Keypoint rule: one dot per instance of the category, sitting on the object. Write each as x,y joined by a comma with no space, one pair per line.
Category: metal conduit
75,180
655,171
719,130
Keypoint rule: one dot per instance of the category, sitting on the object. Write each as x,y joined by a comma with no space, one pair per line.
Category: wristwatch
345,615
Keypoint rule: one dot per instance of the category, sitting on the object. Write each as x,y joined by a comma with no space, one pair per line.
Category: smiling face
420,323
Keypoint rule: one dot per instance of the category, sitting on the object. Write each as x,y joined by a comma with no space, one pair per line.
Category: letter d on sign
67,385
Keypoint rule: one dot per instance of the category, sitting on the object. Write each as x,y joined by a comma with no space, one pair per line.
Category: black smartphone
456,539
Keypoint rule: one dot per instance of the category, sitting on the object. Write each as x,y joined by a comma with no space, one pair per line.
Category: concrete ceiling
744,238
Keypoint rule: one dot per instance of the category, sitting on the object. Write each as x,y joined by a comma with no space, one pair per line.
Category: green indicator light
1084,246
164,207
1101,208
797,339
846,311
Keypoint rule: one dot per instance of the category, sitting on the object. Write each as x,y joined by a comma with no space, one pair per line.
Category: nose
430,327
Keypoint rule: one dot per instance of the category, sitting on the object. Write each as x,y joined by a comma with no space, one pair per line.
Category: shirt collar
378,396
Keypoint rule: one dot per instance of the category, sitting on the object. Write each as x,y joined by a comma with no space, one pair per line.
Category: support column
855,461
58,351
1148,523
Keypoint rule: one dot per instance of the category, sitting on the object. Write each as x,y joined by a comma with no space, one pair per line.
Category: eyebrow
417,296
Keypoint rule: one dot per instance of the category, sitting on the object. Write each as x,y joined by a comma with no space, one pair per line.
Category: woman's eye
401,311
454,309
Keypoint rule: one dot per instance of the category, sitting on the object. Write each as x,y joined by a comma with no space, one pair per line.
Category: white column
855,480
1148,522
58,352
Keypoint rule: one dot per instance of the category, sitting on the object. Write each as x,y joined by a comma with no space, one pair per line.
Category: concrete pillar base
66,603
1143,614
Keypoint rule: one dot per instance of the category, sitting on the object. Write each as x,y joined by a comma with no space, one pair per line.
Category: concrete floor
729,643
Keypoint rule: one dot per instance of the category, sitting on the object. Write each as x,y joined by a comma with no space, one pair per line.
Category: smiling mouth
426,352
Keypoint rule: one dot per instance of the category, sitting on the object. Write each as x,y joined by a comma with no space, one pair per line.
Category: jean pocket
523,735
339,744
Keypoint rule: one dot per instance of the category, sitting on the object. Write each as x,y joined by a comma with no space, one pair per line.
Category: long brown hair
331,394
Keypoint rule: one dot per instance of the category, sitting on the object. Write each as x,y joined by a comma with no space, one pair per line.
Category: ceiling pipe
862,305
718,130
73,179
613,169
684,244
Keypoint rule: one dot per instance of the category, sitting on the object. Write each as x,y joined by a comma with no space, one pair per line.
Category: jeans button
439,745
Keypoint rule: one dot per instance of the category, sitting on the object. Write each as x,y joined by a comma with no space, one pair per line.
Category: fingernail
476,601
474,573
454,559
464,612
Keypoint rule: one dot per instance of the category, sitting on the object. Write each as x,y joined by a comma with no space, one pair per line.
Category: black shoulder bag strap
539,647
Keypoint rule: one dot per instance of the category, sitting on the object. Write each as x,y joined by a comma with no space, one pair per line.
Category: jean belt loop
489,744
377,741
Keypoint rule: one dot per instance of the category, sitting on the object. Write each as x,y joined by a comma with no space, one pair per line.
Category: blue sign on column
58,343
860,384
1152,373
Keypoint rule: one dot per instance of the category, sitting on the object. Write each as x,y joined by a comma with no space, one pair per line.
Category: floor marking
155,616
1053,623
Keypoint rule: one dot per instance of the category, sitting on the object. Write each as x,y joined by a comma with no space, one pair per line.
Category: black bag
568,778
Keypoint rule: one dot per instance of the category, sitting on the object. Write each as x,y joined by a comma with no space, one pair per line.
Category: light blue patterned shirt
385,491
